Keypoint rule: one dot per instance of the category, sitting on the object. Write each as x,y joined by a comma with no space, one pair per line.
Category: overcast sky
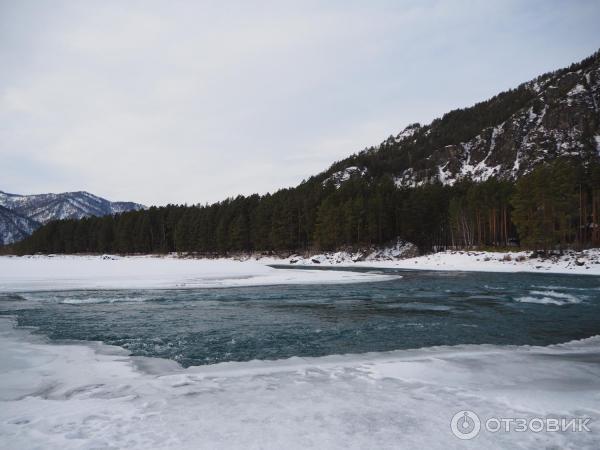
172,102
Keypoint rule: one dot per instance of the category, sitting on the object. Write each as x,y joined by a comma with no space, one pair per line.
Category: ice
551,297
544,300
77,396
559,296
95,272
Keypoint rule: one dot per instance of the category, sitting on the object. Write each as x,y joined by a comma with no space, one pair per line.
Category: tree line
555,206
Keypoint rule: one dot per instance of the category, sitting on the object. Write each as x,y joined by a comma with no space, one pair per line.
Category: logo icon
465,425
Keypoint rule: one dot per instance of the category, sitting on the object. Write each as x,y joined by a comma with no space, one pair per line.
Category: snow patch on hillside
530,136
340,177
578,89
408,132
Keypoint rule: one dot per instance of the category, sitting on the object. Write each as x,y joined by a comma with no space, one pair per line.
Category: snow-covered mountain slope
553,124
14,227
22,214
557,114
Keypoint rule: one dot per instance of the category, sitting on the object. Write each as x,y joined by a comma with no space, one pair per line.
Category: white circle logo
465,425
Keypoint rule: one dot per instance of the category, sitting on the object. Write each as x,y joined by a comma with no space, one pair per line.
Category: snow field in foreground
80,396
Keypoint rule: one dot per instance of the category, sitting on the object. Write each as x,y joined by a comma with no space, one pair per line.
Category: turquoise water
421,309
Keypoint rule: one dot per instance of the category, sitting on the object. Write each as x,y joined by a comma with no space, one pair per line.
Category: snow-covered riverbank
152,272
586,262
29,273
80,396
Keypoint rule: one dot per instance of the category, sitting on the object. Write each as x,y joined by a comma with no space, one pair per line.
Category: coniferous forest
554,207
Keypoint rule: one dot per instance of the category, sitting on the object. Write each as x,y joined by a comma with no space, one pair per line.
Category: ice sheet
150,272
78,396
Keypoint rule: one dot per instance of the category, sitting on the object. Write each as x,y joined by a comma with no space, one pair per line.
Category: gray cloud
194,101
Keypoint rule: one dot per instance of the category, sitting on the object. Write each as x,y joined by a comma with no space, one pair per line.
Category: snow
481,171
578,89
550,297
75,396
406,179
477,171
64,272
79,396
341,176
401,249
586,262
36,273
536,86
408,132
445,176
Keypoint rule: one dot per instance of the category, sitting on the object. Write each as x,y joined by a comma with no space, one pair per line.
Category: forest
556,206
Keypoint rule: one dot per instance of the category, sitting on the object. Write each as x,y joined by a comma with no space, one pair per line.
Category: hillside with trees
555,206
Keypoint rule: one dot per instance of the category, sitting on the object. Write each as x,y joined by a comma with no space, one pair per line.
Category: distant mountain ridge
20,215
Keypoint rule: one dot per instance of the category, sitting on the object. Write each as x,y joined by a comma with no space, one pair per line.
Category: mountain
68,205
20,215
522,168
554,115
14,227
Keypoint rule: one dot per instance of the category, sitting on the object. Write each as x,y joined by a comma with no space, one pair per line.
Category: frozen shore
80,396
63,272
94,396
52,272
586,262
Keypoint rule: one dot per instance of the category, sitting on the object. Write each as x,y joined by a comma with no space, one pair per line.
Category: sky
194,101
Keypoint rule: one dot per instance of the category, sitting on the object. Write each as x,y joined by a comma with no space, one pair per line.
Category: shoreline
74,395
586,262
174,271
